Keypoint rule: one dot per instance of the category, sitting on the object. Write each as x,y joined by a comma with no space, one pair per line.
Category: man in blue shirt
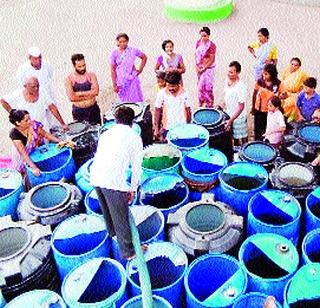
308,100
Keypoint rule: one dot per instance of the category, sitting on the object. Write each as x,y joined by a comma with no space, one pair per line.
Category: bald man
35,101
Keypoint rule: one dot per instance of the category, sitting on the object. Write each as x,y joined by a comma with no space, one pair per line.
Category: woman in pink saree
26,136
124,73
205,57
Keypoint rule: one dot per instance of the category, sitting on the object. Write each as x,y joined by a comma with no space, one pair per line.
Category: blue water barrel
136,302
239,182
107,125
253,299
77,240
167,192
200,170
214,280
2,300
92,205
10,190
259,152
270,261
98,283
312,212
167,265
188,137
150,224
158,158
274,211
311,247
54,164
303,290
37,299
82,177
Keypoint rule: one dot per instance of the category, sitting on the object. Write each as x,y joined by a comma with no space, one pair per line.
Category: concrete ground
61,28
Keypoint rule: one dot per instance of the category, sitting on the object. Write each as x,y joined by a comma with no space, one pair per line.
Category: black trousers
115,209
260,124
90,114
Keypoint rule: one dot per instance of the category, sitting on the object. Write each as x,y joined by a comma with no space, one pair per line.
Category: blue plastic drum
188,137
311,247
312,212
166,192
270,261
274,211
136,302
77,240
303,290
82,177
253,299
214,280
167,265
98,283
37,299
10,190
53,163
239,182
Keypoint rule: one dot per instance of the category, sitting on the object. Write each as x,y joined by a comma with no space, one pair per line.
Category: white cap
34,52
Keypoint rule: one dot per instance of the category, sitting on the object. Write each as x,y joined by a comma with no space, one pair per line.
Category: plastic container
311,247
166,192
188,137
136,302
214,280
99,283
312,212
253,299
270,261
274,211
82,177
77,240
53,163
303,290
239,182
167,265
10,190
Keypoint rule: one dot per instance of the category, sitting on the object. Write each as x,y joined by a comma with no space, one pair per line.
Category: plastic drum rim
86,174
58,252
128,266
252,294
302,138
253,143
113,297
307,203
83,127
213,255
241,253
3,173
138,297
301,165
309,236
217,122
263,176
294,219
62,203
23,248
132,105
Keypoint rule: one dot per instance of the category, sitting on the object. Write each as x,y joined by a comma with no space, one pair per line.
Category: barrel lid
305,284
310,133
10,179
259,152
47,151
161,149
295,174
245,169
187,131
79,279
77,225
137,108
37,299
207,117
160,249
282,201
211,156
77,127
107,125
277,248
160,183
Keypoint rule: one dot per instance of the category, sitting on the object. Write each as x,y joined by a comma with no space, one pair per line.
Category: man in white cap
36,67
36,102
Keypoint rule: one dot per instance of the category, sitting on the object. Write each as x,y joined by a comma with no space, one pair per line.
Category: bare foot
270,302
144,247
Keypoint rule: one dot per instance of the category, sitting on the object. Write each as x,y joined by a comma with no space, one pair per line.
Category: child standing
276,125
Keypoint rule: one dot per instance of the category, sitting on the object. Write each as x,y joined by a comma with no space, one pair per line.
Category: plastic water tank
312,211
